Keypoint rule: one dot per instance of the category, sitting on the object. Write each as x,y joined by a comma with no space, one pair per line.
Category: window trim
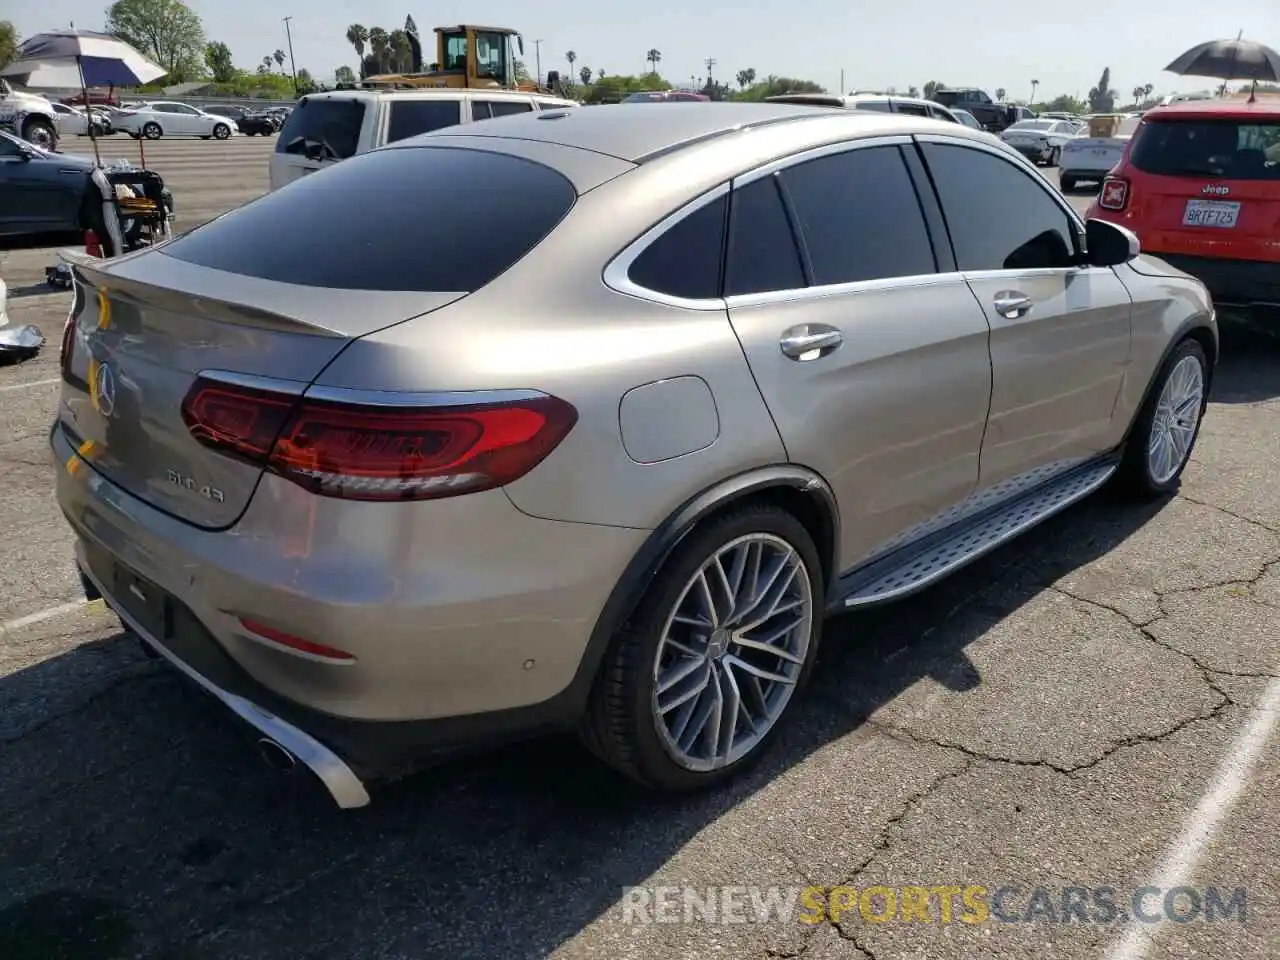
1024,167
616,277
617,272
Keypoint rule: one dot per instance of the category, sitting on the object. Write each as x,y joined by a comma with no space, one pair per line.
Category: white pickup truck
1091,158
28,115
325,128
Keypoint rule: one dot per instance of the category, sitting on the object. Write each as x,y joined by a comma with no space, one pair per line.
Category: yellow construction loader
468,57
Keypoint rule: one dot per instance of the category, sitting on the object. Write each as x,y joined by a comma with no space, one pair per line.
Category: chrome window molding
616,273
823,291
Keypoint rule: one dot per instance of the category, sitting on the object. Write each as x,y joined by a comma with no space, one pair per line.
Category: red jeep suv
1200,186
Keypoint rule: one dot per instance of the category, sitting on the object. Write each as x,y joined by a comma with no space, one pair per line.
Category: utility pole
293,66
537,59
710,62
842,83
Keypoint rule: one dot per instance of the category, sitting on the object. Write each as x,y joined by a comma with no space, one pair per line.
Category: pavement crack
1103,605
1230,513
851,937
780,953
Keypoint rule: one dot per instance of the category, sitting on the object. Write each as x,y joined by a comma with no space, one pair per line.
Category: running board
922,564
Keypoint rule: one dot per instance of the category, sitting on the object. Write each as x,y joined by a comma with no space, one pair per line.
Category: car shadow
135,819
1249,366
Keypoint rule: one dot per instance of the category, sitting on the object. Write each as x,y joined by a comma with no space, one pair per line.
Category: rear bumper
1037,154
1235,285
470,622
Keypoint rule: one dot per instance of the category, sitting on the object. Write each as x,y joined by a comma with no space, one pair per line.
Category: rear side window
409,118
762,250
880,106
327,129
413,218
1209,148
686,261
488,109
913,109
860,216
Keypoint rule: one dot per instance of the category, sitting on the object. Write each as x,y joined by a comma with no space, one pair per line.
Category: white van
328,127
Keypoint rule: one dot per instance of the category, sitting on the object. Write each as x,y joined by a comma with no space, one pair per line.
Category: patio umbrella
1227,60
85,59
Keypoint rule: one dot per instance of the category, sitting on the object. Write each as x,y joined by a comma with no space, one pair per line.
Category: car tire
152,131
40,131
221,132
1055,156
1067,183
1165,431
625,723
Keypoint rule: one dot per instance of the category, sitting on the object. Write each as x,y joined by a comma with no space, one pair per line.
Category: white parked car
159,118
1091,158
328,127
74,121
1040,141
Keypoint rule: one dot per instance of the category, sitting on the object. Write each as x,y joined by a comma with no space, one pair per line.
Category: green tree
775,86
585,76
358,36
653,58
168,31
344,74
1102,99
306,82
380,48
1062,104
1000,93
217,57
913,92
400,51
8,42
746,78
931,88
572,57
522,72
278,56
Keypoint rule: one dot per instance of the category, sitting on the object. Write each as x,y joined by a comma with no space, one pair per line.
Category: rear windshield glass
412,117
326,129
947,97
1209,148
407,218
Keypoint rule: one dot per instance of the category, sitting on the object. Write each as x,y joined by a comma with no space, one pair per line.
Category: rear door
320,131
870,352
1210,186
1059,332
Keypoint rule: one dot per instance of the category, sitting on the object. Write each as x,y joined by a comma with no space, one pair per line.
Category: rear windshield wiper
307,144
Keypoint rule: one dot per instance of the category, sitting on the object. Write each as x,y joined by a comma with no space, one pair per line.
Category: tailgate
145,327
1098,154
1212,218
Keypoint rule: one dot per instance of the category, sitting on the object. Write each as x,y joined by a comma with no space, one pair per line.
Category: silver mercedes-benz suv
587,418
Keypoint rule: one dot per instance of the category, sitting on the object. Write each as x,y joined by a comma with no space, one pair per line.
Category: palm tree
653,58
1138,93
266,64
380,47
1147,90
1000,92
1034,84
572,57
746,77
357,36
585,74
278,57
400,51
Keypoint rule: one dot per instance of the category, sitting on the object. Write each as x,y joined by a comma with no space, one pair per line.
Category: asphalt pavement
1083,715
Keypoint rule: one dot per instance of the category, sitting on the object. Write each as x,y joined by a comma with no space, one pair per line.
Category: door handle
1012,304
809,341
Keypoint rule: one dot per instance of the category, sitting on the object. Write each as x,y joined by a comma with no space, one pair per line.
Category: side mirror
1109,244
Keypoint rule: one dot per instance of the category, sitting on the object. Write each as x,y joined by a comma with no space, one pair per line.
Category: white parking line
1183,856
41,615
33,383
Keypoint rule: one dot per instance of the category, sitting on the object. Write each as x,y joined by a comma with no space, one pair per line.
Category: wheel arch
796,489
1199,328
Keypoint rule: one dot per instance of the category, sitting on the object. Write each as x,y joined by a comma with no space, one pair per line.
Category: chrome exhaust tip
276,756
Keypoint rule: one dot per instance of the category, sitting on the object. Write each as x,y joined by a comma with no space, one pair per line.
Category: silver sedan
1041,141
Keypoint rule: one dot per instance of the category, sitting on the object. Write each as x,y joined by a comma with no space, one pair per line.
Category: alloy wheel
732,651
1177,415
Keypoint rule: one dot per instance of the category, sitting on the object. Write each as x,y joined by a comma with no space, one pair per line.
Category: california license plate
1211,213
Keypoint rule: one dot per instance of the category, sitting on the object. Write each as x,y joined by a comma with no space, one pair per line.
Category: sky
990,44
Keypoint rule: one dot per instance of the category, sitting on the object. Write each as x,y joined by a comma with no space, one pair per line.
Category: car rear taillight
386,450
1115,193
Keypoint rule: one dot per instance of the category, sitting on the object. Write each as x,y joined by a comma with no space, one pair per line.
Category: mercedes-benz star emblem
105,389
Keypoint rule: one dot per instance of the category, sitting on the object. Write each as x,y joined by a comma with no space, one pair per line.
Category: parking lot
1092,707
